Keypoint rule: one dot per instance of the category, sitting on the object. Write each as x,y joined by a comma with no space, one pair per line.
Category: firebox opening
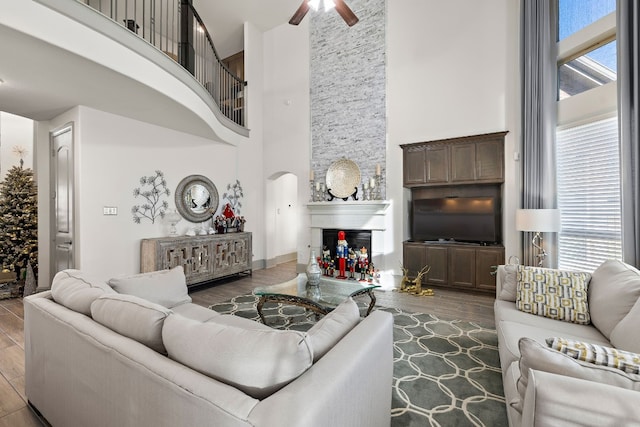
356,239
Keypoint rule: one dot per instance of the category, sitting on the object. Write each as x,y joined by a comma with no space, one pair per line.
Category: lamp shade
539,220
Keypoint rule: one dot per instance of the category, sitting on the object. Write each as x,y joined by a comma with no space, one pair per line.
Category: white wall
15,131
287,134
452,71
112,153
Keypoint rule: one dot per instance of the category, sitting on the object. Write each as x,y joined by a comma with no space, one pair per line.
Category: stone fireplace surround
352,215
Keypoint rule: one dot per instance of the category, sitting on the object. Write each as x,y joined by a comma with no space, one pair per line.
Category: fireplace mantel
352,215
356,215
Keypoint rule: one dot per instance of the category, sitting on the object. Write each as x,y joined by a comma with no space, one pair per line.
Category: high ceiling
225,18
41,80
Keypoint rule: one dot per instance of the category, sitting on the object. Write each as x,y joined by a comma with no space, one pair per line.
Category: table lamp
538,221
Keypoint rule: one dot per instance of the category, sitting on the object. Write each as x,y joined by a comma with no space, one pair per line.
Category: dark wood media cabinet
469,166
454,265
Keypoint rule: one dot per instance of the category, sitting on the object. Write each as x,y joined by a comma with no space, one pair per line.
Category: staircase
175,28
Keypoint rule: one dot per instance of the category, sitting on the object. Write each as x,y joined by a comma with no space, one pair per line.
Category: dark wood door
414,166
486,259
463,162
489,161
415,258
462,267
437,164
436,258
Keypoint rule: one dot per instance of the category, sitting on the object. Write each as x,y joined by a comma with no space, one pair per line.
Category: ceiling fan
341,7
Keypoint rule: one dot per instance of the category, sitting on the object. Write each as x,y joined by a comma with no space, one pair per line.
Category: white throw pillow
332,327
77,290
132,317
539,357
613,291
509,282
165,287
626,335
255,360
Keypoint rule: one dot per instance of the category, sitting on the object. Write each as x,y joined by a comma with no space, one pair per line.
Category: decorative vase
313,270
173,217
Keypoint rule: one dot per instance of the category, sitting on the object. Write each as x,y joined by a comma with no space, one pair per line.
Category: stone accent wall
348,89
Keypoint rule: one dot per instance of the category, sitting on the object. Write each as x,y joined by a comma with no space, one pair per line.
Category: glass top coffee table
320,299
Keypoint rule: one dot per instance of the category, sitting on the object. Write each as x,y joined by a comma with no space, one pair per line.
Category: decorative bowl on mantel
343,178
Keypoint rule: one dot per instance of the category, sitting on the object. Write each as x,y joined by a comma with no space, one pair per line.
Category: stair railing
174,27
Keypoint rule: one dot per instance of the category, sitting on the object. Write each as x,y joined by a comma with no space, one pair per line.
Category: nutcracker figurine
363,263
342,250
351,264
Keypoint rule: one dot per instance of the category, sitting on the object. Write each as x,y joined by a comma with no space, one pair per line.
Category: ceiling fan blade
347,14
300,13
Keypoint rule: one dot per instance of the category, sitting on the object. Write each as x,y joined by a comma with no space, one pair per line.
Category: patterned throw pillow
597,354
556,294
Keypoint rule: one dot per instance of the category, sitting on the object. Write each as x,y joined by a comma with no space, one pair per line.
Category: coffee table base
307,303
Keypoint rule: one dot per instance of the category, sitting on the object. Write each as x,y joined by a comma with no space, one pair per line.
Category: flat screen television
463,219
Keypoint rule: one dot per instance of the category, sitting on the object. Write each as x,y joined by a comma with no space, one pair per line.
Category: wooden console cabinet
477,159
454,265
203,258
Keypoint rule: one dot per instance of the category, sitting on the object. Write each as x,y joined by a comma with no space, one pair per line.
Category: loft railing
174,27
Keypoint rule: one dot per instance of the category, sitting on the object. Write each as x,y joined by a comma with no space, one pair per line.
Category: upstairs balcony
151,60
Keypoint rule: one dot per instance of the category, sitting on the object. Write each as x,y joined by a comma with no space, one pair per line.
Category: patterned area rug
446,373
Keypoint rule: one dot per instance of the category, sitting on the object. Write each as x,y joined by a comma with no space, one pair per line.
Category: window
588,71
574,15
586,45
587,145
589,194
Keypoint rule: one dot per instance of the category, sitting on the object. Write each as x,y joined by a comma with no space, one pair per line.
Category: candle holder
377,191
312,192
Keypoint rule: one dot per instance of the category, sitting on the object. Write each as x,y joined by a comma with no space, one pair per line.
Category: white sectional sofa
97,357
547,381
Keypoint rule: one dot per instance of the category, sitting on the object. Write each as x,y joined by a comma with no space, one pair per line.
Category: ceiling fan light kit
339,5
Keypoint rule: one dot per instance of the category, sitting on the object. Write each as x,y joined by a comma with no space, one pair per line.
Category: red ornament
227,211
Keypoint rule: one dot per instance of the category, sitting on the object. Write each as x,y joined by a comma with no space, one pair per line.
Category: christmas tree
19,221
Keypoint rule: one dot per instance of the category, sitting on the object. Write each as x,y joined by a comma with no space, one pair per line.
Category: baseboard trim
280,259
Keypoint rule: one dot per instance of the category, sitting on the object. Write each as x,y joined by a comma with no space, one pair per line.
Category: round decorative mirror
196,198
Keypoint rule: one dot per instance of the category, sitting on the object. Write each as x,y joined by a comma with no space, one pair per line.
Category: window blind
588,178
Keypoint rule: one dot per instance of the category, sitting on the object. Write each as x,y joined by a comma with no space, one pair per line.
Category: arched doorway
282,218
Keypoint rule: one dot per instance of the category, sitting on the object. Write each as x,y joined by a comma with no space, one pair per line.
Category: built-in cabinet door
436,258
486,260
415,258
414,166
463,162
462,267
437,164
489,161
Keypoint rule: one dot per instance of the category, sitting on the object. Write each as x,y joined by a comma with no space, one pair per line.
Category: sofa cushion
256,360
240,322
509,282
332,327
626,335
133,317
539,357
597,354
613,291
165,287
556,294
195,312
77,290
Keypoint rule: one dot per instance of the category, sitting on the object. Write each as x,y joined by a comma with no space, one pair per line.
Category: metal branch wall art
152,189
233,195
